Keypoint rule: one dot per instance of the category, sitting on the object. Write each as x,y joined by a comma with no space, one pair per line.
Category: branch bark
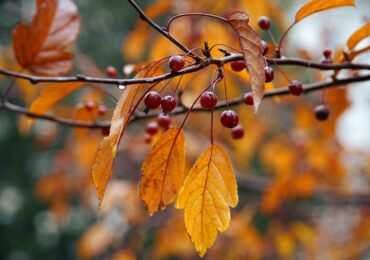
181,110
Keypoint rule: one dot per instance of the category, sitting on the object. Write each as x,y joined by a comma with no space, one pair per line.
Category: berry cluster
100,109
153,100
163,121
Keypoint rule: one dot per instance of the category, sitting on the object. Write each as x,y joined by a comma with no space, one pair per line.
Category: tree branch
162,31
180,110
187,70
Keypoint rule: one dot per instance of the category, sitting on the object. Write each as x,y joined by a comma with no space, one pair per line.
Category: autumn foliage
246,182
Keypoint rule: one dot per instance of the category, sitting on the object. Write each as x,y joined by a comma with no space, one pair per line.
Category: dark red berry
152,99
208,100
111,71
237,65
295,88
264,22
90,105
327,53
269,74
322,112
148,139
168,103
105,131
265,47
229,119
237,132
176,63
102,110
164,121
248,99
151,128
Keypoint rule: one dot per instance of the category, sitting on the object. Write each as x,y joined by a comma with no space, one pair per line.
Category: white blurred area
331,29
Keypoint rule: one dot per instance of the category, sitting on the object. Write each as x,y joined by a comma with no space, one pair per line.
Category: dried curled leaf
316,6
103,165
163,171
41,47
207,193
358,36
251,46
51,95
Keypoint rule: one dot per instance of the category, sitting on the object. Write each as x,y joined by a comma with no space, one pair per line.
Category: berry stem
272,38
212,126
169,22
177,86
281,71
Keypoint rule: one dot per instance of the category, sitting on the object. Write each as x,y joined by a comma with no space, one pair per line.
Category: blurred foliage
288,165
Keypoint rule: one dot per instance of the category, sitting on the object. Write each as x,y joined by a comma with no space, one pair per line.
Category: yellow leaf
251,46
207,193
51,95
320,5
103,165
358,36
163,171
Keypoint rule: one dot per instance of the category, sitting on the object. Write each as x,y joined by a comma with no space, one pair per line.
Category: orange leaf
207,193
103,165
84,115
358,36
163,171
320,5
251,46
41,47
51,95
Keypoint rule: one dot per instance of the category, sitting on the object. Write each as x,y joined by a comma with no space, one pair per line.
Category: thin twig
161,30
187,70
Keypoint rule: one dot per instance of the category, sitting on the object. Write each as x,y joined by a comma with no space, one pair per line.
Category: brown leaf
358,36
103,165
163,171
251,46
320,5
41,47
207,194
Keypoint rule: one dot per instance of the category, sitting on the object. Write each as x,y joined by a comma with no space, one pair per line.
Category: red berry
90,105
148,139
269,74
237,132
111,71
105,131
295,88
322,112
164,121
229,119
248,99
208,100
327,53
152,99
265,47
237,65
151,128
168,103
176,63
264,22
102,110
